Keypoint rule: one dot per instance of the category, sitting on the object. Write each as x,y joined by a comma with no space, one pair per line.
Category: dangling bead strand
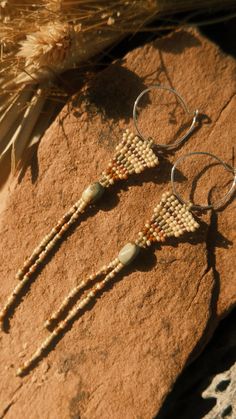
72,314
54,317
40,254
126,256
55,232
90,194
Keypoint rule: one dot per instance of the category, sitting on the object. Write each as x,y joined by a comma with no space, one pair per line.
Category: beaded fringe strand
40,253
72,314
104,270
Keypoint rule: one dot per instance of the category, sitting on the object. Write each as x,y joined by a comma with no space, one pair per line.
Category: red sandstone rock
122,357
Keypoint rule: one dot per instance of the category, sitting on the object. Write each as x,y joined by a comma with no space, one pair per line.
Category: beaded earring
172,217
133,155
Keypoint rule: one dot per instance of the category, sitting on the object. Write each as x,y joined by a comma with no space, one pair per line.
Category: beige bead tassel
39,255
72,314
90,194
126,256
55,232
55,316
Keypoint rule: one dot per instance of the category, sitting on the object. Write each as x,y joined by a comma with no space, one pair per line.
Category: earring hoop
227,167
185,107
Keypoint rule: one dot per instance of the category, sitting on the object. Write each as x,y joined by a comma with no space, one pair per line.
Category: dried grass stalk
42,39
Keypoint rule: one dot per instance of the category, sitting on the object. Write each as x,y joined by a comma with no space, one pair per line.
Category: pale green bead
92,192
128,253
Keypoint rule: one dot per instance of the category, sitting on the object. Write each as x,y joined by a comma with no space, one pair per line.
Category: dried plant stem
26,126
40,40
8,118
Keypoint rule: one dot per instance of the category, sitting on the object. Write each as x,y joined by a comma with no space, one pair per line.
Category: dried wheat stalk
40,40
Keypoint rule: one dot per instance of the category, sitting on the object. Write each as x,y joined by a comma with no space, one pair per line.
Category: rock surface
121,358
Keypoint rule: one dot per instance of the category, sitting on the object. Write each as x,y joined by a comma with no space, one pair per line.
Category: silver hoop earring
183,104
222,201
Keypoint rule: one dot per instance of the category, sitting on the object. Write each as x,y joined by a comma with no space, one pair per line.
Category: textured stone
121,358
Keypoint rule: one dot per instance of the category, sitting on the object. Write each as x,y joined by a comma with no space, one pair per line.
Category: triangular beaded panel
133,155
170,218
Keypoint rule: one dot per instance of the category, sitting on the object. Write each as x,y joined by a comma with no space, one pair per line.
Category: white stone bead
128,253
